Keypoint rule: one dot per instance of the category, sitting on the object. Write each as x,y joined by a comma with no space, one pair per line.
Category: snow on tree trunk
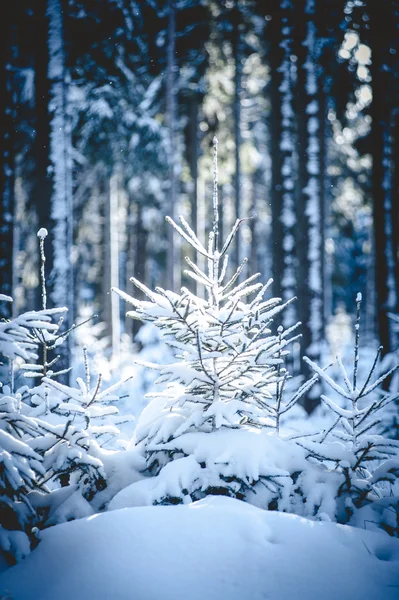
394,205
312,189
173,244
308,240
237,52
275,128
381,144
392,285
111,315
61,278
287,147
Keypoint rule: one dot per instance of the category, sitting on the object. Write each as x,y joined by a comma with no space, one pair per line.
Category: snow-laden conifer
74,422
367,463
51,435
206,430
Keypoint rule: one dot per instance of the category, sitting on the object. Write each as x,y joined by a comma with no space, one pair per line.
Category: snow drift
215,548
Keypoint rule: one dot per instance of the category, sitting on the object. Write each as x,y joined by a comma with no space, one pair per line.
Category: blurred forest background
108,109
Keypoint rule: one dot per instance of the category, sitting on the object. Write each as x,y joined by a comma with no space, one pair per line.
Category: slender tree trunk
42,185
276,54
193,152
237,56
322,140
61,277
130,258
386,286
141,252
112,263
171,118
255,238
308,238
287,147
395,204
7,111
302,232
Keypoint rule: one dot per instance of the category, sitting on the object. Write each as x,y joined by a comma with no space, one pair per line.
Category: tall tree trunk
193,151
254,225
395,203
276,55
111,246
43,178
287,147
308,238
172,273
61,277
237,57
7,157
137,258
386,286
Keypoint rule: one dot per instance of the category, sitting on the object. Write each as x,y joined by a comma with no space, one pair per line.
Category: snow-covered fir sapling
20,469
76,422
20,465
210,430
368,463
89,407
51,434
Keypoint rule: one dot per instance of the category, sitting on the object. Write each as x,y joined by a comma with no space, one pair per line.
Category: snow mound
215,548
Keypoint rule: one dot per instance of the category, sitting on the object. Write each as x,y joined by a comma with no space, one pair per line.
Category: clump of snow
42,233
215,548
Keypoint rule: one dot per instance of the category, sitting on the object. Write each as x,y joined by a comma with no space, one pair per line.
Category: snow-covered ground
217,548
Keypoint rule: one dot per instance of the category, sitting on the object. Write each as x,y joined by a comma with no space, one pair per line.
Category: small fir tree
224,391
51,435
367,464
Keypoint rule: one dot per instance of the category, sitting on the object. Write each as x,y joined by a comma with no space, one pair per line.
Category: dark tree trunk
171,121
322,135
302,232
7,158
193,151
42,186
237,56
141,239
61,290
308,231
395,204
381,110
275,129
193,148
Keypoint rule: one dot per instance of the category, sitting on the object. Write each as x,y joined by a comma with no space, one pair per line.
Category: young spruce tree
210,429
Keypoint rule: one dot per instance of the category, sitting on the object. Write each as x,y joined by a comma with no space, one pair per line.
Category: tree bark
237,57
7,111
173,243
308,238
111,263
61,276
287,148
275,127
381,111
193,151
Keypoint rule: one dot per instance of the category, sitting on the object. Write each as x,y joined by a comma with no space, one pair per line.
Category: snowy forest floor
212,549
